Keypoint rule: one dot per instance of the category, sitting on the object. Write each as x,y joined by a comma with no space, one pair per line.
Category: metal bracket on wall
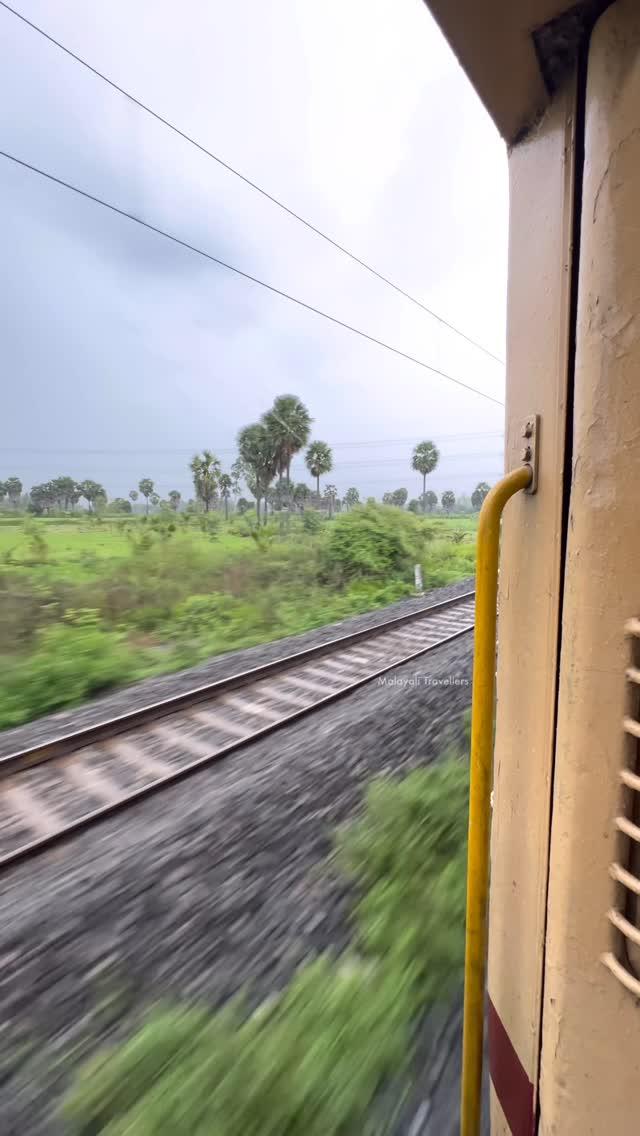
530,433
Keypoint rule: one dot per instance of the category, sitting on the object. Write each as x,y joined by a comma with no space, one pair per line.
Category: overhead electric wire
252,184
338,463
245,275
232,449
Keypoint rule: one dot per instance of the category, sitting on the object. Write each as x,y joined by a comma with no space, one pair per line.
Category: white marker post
418,579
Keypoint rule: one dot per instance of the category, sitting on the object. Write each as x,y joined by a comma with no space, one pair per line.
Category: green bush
149,618
408,857
38,547
309,1063
446,561
71,662
311,521
202,614
373,541
209,523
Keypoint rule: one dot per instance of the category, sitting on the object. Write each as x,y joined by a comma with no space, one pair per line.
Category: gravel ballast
218,882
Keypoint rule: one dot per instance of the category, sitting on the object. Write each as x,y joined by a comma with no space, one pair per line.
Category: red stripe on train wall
510,1081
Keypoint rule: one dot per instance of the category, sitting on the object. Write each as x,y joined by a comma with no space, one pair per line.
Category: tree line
266,449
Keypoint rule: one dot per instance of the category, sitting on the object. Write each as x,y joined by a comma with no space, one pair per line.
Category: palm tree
133,494
205,470
174,499
63,488
226,484
301,494
330,494
289,424
260,458
479,494
13,488
351,498
424,460
93,493
319,460
146,488
448,500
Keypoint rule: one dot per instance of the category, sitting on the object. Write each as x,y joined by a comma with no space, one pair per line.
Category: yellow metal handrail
482,714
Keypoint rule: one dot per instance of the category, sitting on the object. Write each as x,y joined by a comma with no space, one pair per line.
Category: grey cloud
123,341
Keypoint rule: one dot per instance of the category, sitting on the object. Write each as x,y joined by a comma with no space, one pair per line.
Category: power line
179,455
164,475
432,479
339,463
405,464
253,185
232,449
244,275
413,440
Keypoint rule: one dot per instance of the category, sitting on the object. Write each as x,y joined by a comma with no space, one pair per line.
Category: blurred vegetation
317,1059
171,590
308,1063
375,543
71,662
408,857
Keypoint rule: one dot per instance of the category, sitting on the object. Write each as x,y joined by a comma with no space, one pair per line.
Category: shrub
200,614
24,607
374,541
309,1063
149,618
209,523
446,561
407,854
71,662
38,547
141,541
311,521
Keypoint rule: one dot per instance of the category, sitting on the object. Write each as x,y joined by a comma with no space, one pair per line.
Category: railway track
66,784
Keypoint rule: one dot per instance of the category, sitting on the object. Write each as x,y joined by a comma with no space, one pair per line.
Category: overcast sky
122,353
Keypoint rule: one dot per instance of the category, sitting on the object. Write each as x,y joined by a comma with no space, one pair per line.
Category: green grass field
79,550
87,604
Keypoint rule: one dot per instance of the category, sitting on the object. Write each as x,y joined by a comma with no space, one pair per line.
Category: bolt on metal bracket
530,434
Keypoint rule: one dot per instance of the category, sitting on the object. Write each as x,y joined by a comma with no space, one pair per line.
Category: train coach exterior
562,82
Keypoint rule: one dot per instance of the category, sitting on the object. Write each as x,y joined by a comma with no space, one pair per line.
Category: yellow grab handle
482,713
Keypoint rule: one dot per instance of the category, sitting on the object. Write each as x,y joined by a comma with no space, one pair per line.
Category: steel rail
131,719
79,739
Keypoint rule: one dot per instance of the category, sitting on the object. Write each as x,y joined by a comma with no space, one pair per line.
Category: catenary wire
245,275
375,463
232,449
253,185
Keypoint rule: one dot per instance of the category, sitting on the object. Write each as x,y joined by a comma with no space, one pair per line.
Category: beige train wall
590,1068
564,1033
541,222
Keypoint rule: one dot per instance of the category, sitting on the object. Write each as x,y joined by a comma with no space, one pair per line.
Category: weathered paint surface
541,184
590,1067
